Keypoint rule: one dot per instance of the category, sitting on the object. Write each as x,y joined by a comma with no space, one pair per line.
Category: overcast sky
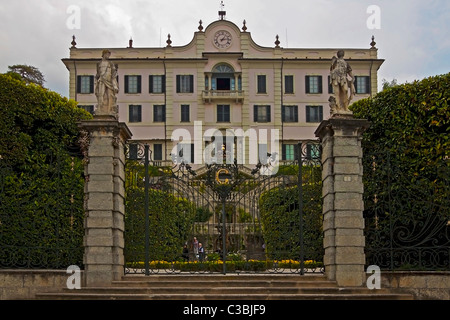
413,36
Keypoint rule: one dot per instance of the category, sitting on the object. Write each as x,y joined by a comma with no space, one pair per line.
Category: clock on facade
222,39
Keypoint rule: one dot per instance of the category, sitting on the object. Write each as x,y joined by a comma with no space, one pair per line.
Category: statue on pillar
106,86
342,80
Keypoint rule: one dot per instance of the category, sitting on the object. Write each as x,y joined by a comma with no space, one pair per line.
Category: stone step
222,287
221,296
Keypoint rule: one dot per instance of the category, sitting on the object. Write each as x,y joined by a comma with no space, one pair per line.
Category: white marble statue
342,80
106,86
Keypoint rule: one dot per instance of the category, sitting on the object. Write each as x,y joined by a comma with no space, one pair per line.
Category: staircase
223,287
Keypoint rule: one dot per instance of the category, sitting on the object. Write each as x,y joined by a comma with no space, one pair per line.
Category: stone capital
342,125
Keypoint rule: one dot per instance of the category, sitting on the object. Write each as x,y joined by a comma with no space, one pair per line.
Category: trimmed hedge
41,179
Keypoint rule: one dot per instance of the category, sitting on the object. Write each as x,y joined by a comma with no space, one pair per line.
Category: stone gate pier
343,205
103,143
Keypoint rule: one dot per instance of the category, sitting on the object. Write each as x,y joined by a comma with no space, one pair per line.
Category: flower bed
231,266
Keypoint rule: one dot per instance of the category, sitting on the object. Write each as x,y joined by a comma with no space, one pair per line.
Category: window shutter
320,113
296,152
163,83
307,84
126,84
78,84
320,84
192,153
130,114
139,108
308,114
178,83
150,84
164,113
330,86
139,84
368,85
283,113
283,152
91,84
268,115
255,113
296,113
191,84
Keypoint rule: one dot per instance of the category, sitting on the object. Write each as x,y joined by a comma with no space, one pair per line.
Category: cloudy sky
412,35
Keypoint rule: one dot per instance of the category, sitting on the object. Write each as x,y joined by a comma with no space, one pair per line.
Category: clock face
222,39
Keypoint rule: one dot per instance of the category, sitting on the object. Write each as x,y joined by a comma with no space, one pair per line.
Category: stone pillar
104,141
342,193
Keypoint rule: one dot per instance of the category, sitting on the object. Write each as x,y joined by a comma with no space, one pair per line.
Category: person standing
195,248
201,252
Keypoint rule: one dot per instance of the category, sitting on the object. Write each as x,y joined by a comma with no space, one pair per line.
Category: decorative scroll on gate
224,212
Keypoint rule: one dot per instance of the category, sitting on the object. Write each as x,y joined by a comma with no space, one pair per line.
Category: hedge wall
41,177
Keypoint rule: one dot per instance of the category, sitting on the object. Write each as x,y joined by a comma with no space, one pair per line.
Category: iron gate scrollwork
245,219
407,213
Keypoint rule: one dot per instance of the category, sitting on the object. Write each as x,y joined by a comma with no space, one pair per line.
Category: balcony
213,95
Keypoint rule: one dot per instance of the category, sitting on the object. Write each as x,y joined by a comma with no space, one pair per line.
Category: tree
387,84
27,73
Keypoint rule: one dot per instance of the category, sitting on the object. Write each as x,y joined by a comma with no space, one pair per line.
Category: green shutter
126,84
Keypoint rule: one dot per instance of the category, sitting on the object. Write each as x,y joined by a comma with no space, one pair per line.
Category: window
185,116
133,84
133,151
159,113
185,83
289,113
262,84
89,109
135,113
157,152
313,84
362,84
157,83
223,113
288,84
262,153
313,151
261,113
314,113
186,152
330,86
289,152
85,84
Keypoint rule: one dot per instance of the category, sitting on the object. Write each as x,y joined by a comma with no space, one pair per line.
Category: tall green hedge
407,174
411,121
41,177
280,220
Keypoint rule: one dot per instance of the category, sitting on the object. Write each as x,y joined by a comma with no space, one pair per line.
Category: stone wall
23,284
423,285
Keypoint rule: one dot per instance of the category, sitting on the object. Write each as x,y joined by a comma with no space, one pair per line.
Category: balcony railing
210,95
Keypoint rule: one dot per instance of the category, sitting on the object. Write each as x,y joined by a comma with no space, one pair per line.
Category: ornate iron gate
223,217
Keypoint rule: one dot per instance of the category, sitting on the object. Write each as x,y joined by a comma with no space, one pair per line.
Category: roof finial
277,41
130,43
222,12
244,27
73,43
169,42
373,43
200,27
